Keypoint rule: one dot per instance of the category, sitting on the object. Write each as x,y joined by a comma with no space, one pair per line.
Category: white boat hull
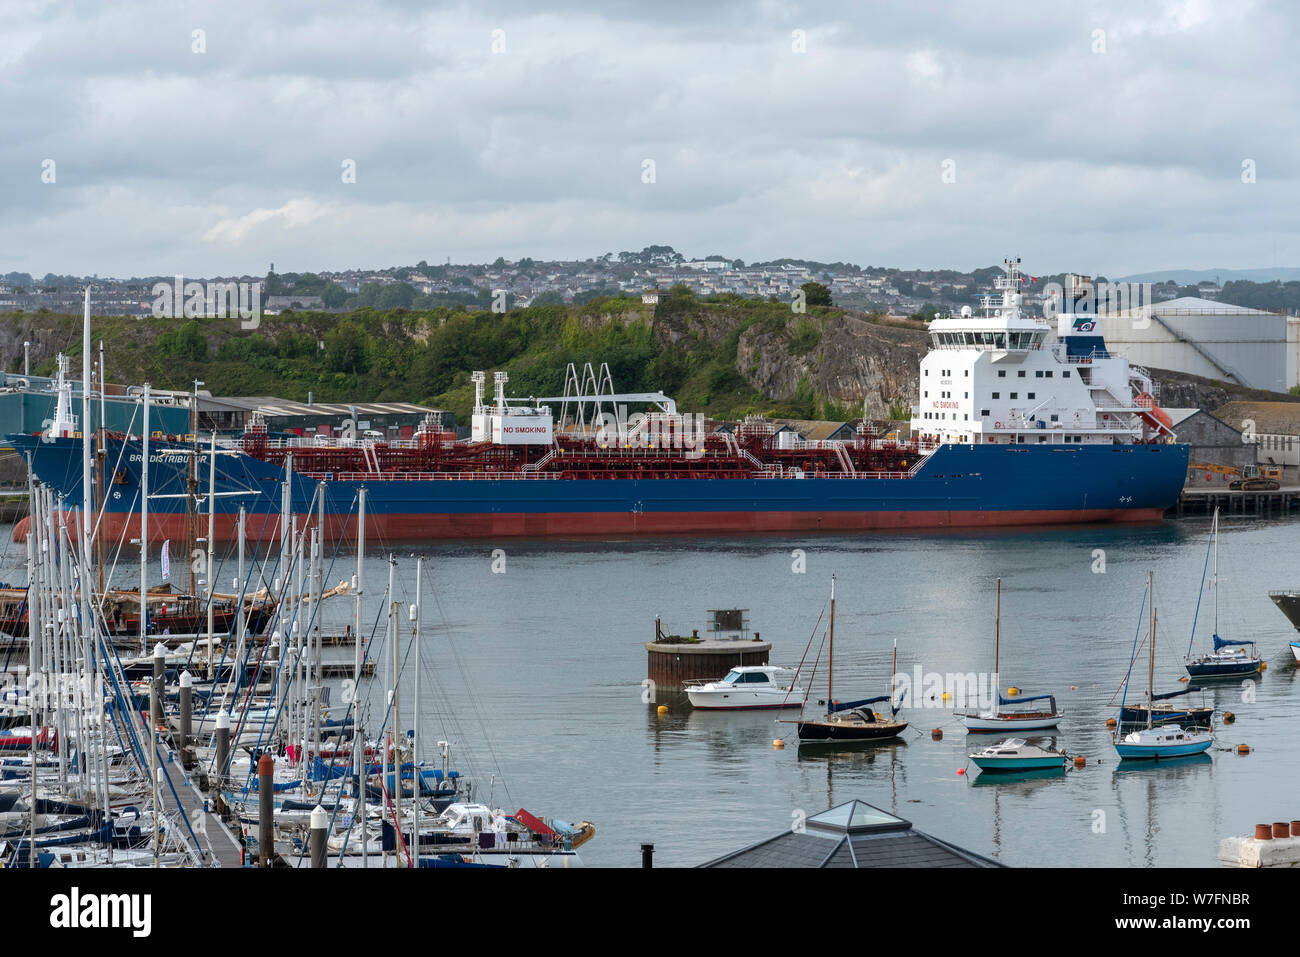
737,699
988,721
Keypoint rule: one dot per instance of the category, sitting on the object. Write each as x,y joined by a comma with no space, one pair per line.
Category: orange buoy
1183,678
1229,717
961,771
1243,749
778,743
1111,722
937,734
662,709
1080,760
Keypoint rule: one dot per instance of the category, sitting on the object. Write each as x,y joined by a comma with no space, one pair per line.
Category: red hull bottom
428,527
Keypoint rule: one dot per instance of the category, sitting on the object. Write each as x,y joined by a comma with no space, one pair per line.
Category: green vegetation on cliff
685,347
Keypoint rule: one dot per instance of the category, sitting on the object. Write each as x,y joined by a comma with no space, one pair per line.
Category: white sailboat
1001,717
1164,741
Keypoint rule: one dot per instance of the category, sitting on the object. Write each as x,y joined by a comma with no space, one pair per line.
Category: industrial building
1215,340
1219,453
27,406
1275,427
394,420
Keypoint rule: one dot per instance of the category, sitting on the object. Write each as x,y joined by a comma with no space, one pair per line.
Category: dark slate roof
854,834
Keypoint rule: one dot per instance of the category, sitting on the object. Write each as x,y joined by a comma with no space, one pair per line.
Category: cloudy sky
1108,137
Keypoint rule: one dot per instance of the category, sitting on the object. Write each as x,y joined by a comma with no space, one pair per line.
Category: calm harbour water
535,676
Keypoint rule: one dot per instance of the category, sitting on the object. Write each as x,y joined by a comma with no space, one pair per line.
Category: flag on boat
166,560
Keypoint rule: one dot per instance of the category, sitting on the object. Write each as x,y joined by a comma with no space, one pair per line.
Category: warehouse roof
270,405
1269,418
853,834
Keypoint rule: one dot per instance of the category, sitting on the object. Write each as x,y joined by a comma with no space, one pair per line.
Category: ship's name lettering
160,459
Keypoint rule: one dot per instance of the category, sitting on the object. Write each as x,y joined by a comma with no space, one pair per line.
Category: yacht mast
1151,673
830,661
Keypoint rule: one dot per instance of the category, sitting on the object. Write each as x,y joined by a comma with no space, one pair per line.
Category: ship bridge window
1020,374
1002,373
985,412
1032,394
997,395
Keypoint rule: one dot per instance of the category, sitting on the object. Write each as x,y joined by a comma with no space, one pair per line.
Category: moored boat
746,687
849,720
1015,754
1229,659
1003,716
1165,741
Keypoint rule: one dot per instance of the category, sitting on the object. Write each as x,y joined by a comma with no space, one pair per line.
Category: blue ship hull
955,486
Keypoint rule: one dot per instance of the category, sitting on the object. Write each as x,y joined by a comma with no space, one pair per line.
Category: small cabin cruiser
1014,754
746,687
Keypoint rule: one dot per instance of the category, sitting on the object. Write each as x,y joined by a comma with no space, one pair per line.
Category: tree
334,296
187,343
815,294
345,348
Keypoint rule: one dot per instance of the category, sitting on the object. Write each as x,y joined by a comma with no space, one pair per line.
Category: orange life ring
997,425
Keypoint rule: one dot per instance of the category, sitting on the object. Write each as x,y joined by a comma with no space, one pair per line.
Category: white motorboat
746,687
1014,754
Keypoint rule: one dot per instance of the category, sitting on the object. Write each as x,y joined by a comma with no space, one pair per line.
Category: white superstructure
1007,377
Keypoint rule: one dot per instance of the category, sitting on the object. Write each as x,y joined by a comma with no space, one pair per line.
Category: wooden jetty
1279,503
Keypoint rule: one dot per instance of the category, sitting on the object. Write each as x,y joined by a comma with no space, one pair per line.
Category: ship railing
843,475
430,476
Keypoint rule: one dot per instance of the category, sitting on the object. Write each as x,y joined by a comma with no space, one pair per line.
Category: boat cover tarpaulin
1225,642
1174,694
534,824
834,706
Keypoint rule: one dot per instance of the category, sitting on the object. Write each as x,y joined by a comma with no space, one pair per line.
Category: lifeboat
1152,414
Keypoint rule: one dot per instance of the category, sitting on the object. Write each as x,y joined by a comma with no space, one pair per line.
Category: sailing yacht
849,720
1164,741
1001,717
1228,659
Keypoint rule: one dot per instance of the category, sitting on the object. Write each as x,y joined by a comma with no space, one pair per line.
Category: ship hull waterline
956,487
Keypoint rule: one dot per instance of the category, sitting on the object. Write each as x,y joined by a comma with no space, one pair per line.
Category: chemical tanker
1018,423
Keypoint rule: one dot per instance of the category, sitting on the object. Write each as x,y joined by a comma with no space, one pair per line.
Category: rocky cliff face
864,365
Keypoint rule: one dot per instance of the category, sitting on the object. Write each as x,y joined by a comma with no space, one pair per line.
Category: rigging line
1199,595
1133,656
460,664
807,646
